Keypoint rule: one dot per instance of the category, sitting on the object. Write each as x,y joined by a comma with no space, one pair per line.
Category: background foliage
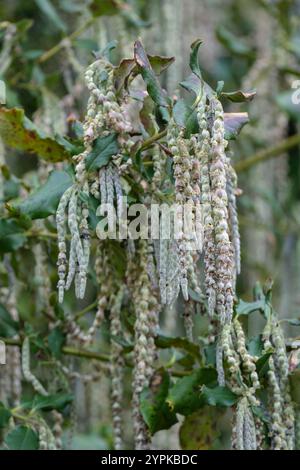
46,45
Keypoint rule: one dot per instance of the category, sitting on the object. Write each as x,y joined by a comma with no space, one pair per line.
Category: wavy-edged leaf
234,123
153,86
200,430
185,396
11,235
19,132
245,308
44,201
103,149
155,411
239,96
194,62
218,396
22,438
165,342
56,401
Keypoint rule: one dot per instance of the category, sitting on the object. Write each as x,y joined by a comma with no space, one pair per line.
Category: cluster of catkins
146,305
104,116
282,414
205,180
243,380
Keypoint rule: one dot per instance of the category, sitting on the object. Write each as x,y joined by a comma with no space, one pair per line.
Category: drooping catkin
116,368
203,152
223,247
183,194
233,217
28,375
244,431
104,279
282,426
13,368
144,332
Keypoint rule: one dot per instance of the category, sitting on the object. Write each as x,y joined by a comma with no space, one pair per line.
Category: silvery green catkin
116,368
29,377
233,217
208,229
142,328
74,330
13,356
183,194
282,426
57,428
223,247
61,239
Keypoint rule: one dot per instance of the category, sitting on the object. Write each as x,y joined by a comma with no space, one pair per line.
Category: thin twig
55,49
266,154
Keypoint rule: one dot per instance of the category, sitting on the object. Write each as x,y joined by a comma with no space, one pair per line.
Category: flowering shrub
136,145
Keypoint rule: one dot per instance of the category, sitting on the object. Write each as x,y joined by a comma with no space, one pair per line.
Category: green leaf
262,365
181,112
239,96
106,7
5,415
185,396
22,438
147,117
11,235
245,308
19,132
153,406
194,62
233,123
186,117
57,401
44,201
8,326
160,63
129,67
153,86
165,342
192,83
235,45
48,9
103,149
210,355
255,345
56,340
199,431
218,396
114,7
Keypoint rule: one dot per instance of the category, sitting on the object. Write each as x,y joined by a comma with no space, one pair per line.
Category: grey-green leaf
22,438
103,149
218,396
44,201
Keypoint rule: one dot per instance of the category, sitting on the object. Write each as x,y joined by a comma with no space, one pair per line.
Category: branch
153,139
271,152
68,350
48,54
